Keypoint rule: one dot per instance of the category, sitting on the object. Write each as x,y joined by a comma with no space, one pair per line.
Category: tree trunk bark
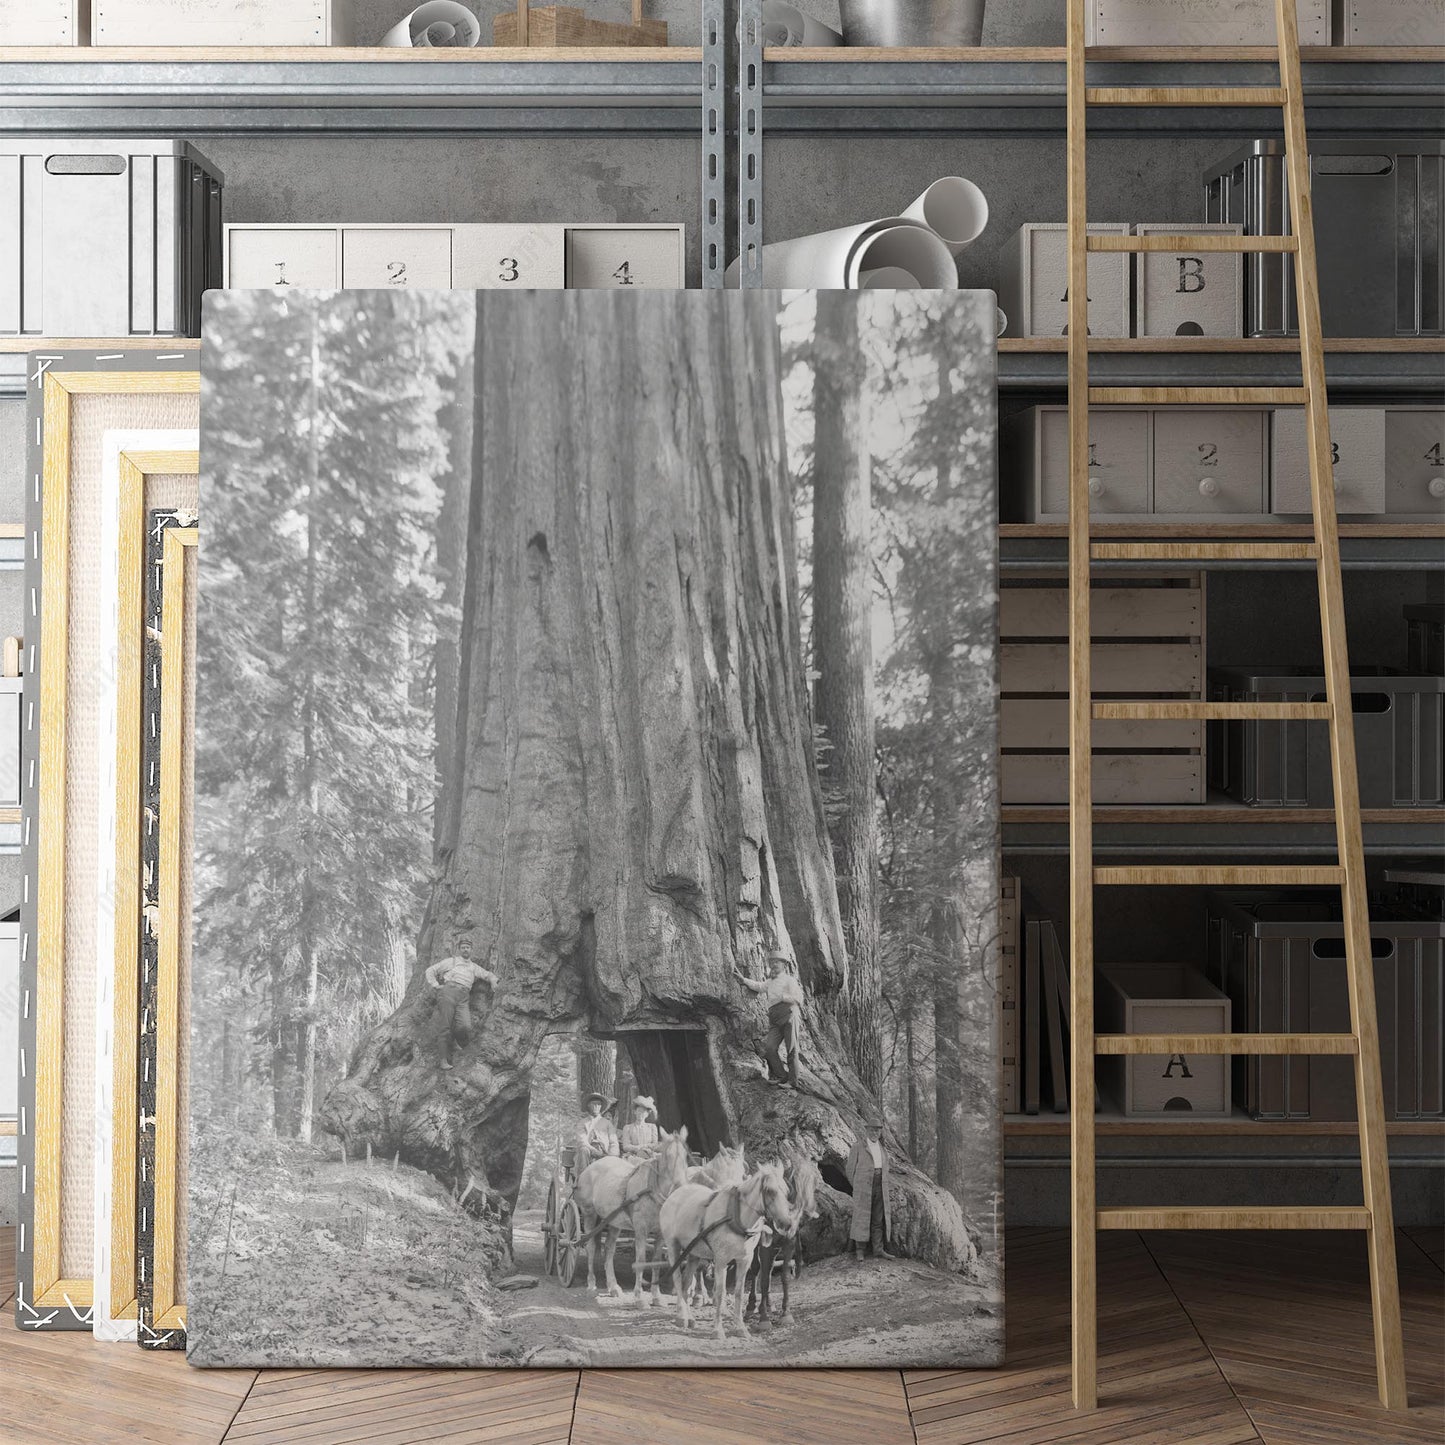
306,941
843,658
596,1067
638,808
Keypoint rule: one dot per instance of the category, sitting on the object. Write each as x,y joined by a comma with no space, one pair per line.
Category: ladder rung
1212,711
1226,1217
1185,95
1183,241
1221,877
1198,395
1266,1044
1205,551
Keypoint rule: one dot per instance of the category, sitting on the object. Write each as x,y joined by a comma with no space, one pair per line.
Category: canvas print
596,922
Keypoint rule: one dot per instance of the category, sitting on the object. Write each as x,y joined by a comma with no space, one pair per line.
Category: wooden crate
554,26
1148,643
220,22
43,22
1389,22
1201,22
1033,287
1190,293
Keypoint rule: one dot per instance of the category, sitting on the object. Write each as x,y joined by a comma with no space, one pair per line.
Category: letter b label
1191,275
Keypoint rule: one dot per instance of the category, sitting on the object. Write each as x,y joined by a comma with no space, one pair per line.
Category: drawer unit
1200,22
508,257
1148,642
1209,463
282,256
220,22
1377,216
615,255
1357,446
1399,739
1034,282
383,257
1389,22
1415,460
43,22
106,237
480,257
1184,293
1038,445
1281,960
1152,998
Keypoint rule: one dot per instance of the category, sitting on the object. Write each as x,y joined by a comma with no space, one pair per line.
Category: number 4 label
623,274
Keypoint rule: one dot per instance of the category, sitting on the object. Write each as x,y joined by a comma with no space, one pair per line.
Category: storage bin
1280,958
1188,293
1389,22
396,257
1200,22
1152,998
1357,438
1037,443
1033,286
220,22
43,22
1415,461
1377,217
1425,637
1399,739
497,257
106,237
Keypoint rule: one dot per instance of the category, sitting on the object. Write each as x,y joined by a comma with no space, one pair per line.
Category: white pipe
907,246
836,260
437,25
786,25
954,208
888,278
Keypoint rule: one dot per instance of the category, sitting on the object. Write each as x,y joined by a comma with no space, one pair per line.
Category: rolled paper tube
786,25
955,209
437,25
888,278
1002,321
902,245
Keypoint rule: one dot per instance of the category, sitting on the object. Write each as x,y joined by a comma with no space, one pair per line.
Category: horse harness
733,1219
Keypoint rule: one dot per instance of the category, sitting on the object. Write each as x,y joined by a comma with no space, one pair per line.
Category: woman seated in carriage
640,1138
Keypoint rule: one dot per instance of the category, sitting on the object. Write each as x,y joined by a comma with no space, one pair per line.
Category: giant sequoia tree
632,799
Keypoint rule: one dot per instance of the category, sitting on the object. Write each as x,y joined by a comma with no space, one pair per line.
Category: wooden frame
131,458
167,1311
48,1297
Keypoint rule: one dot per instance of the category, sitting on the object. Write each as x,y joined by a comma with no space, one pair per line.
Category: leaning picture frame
164,930
142,470
74,399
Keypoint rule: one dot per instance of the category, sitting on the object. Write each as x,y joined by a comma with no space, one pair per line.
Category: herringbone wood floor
1204,1340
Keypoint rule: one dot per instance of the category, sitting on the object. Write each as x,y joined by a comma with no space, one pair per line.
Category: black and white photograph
596,944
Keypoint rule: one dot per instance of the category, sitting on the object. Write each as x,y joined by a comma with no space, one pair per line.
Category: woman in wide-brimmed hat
596,1133
641,1137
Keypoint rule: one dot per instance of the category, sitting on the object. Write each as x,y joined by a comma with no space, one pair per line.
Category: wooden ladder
1376,1217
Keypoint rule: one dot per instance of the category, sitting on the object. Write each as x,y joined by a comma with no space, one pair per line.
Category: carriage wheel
569,1251
549,1231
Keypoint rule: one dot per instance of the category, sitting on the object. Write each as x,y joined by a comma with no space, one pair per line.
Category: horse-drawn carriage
564,1242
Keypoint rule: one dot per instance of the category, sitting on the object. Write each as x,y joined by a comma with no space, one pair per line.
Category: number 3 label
509,271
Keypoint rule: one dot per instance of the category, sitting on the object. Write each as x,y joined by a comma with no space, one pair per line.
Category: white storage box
1389,22
1189,293
1034,282
43,22
220,22
618,255
509,257
12,692
106,237
1149,998
280,256
1415,460
1200,22
1357,437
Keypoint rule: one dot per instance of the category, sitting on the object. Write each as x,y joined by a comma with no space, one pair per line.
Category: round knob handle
1208,487
1437,486
1096,485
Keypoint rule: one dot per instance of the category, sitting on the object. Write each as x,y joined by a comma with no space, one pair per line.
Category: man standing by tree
454,978
868,1174
783,995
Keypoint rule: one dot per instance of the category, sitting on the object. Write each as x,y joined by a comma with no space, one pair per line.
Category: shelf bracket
716,76
750,143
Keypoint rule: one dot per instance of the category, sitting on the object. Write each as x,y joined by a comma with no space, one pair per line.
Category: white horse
612,1190
724,1226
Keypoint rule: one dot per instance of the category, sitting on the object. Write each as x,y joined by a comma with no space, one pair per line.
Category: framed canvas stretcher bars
74,398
